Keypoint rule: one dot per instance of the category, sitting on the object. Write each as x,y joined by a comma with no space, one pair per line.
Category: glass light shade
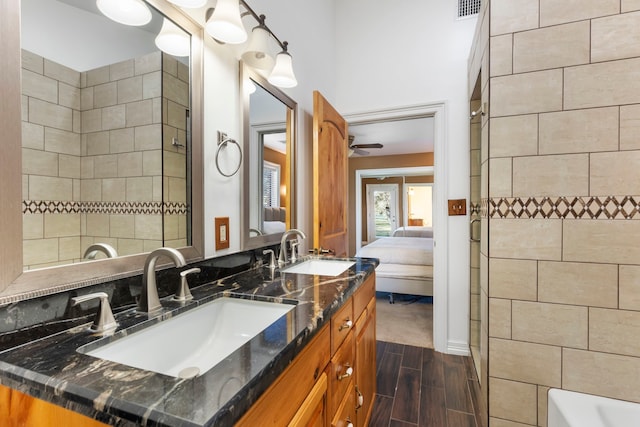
282,73
257,54
225,24
193,4
173,40
127,12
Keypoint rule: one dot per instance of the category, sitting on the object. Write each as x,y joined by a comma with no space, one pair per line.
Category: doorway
382,210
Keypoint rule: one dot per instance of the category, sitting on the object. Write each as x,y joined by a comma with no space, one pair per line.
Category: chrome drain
189,372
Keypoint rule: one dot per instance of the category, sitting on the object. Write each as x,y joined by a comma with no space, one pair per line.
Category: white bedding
404,270
400,250
413,231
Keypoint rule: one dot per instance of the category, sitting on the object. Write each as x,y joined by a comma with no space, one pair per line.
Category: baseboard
458,348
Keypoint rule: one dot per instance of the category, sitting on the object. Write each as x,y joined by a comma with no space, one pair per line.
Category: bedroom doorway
382,210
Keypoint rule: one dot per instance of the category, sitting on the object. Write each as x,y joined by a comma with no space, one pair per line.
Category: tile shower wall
563,203
93,161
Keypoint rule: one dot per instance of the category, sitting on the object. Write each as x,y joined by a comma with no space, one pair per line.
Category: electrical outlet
457,207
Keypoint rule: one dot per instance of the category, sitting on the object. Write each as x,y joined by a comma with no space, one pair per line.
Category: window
271,185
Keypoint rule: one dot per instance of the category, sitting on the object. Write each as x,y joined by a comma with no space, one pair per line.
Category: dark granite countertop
50,368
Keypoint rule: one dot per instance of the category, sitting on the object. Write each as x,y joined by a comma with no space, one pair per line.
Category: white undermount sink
320,267
195,341
572,409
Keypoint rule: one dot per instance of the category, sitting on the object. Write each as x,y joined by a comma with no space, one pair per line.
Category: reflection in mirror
269,118
105,135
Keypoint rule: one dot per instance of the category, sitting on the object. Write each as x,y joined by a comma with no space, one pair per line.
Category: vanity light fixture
173,40
127,12
257,54
225,23
189,4
282,73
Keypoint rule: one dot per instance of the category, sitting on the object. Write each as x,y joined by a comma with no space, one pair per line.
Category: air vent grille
468,8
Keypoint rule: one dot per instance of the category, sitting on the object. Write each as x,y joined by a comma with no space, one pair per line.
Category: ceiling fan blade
377,145
359,151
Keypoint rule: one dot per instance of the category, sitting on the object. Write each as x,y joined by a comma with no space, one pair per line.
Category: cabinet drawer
363,295
346,413
342,370
341,324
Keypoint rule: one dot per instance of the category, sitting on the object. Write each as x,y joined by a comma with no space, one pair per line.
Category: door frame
438,111
392,188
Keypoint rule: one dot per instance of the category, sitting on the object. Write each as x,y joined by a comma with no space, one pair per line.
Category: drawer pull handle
346,325
346,374
360,399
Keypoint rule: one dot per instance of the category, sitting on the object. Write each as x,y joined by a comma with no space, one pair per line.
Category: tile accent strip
588,207
128,208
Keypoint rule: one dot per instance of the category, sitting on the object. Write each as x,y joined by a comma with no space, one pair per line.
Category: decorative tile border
122,208
593,207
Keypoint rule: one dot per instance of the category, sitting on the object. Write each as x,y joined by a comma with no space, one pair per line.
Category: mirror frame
252,242
16,285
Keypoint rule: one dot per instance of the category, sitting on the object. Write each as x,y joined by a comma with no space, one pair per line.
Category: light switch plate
457,207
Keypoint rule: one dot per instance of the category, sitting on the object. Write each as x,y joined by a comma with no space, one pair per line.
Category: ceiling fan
358,148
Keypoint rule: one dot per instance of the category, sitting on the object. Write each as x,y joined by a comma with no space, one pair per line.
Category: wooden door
330,177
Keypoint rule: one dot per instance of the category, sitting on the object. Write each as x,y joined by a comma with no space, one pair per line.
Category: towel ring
221,144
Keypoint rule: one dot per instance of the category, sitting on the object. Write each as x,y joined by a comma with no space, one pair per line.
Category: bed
406,263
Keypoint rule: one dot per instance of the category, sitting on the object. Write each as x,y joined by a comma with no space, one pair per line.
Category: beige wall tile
122,70
500,318
114,117
558,175
50,188
526,238
514,136
139,190
62,141
513,278
612,37
77,121
614,331
114,189
105,166
629,5
169,65
122,226
501,55
39,251
130,164
176,115
174,164
61,225
152,85
98,225
97,143
61,73
150,245
38,162
601,241
552,47
602,84
91,190
139,113
98,76
498,422
32,62
602,374
130,246
47,114
513,401
152,163
500,174
629,127
509,16
177,189
579,131
148,137
555,324
69,96
157,188
527,93
578,283
554,12
121,140
32,136
32,226
40,87
171,228
86,99
157,110
148,227
148,63
615,173
543,393
183,72
130,90
475,163
86,167
69,166
91,121
526,362
105,95
629,287
176,90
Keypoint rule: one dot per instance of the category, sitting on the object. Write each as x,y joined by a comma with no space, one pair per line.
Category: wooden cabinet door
313,411
330,177
366,362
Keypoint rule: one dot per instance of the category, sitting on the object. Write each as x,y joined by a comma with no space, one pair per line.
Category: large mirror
110,125
269,143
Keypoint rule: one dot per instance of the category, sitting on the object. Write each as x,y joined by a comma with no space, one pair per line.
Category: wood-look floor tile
406,405
476,400
412,357
433,411
460,419
388,371
394,348
381,413
398,423
456,390
432,368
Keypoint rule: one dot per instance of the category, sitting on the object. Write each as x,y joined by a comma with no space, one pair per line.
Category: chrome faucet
149,301
105,248
282,256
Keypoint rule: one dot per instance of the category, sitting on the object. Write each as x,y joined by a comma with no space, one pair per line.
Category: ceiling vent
468,8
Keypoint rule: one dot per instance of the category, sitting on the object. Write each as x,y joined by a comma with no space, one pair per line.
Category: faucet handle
272,258
184,293
104,321
294,250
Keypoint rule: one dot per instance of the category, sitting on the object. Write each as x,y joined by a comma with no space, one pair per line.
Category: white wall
413,52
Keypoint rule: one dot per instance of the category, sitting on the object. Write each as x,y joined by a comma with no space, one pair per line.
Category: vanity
313,365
